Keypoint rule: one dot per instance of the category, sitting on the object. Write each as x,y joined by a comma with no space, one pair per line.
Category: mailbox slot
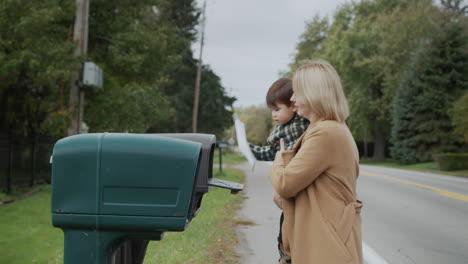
205,170
205,175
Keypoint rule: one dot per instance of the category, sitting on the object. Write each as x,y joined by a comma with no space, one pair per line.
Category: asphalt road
408,217
414,217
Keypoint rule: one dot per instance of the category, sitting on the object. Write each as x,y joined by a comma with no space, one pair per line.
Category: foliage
380,41
133,45
452,161
150,70
311,42
144,48
140,45
370,43
403,130
459,116
258,123
216,107
439,76
36,65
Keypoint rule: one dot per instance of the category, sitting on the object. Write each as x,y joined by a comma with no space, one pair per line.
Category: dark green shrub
452,161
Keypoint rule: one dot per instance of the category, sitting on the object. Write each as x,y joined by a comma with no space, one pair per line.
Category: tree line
404,66
144,48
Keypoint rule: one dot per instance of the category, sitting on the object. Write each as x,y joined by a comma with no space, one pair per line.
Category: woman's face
302,109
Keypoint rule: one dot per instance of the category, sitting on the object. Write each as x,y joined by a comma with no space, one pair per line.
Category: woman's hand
278,201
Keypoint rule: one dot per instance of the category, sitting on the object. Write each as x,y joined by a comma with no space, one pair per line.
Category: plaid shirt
290,131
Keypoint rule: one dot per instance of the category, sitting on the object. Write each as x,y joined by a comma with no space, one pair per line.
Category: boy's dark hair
279,93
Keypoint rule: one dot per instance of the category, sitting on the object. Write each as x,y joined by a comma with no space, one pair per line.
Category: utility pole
80,37
197,81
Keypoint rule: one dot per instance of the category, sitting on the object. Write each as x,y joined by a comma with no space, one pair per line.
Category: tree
404,129
133,45
459,117
216,107
439,78
145,50
311,42
369,43
34,50
258,123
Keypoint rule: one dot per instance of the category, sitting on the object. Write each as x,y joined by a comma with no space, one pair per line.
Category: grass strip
27,235
229,157
210,237
26,232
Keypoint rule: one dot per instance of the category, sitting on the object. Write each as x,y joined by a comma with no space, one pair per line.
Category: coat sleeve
293,172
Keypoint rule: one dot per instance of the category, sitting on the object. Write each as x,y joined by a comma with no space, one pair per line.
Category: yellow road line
453,195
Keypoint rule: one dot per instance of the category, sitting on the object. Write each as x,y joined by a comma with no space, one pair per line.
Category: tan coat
317,181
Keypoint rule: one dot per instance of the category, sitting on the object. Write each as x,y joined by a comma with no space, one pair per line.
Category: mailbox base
98,247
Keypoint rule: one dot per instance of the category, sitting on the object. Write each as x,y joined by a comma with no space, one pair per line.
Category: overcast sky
248,42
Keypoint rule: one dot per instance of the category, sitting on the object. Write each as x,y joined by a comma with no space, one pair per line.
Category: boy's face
282,113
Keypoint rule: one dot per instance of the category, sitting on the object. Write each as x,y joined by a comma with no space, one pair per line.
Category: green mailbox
111,187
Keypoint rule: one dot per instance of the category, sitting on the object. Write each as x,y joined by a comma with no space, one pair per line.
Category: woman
317,178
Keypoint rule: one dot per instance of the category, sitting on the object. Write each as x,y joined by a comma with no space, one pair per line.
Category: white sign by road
242,142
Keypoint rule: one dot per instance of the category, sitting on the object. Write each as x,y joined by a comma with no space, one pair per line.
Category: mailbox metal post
85,246
221,145
220,160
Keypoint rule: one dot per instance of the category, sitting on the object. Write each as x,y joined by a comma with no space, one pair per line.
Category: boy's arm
294,131
263,152
290,144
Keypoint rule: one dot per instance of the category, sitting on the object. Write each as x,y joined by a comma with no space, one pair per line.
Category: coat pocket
338,244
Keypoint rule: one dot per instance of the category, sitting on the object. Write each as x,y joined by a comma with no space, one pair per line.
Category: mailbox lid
208,142
154,176
74,174
124,174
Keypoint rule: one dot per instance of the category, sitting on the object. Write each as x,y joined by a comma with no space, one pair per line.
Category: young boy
290,127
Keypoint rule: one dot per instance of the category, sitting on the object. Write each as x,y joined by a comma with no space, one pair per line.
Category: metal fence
24,161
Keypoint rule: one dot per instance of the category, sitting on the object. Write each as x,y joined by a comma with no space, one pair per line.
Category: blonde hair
318,85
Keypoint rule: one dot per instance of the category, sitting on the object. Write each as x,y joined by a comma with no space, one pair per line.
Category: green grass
430,167
27,235
229,157
26,232
210,237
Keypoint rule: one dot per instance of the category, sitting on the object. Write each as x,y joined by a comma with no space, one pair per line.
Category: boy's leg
280,235
284,258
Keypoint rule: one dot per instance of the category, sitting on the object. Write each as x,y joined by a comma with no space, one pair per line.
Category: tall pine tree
439,75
